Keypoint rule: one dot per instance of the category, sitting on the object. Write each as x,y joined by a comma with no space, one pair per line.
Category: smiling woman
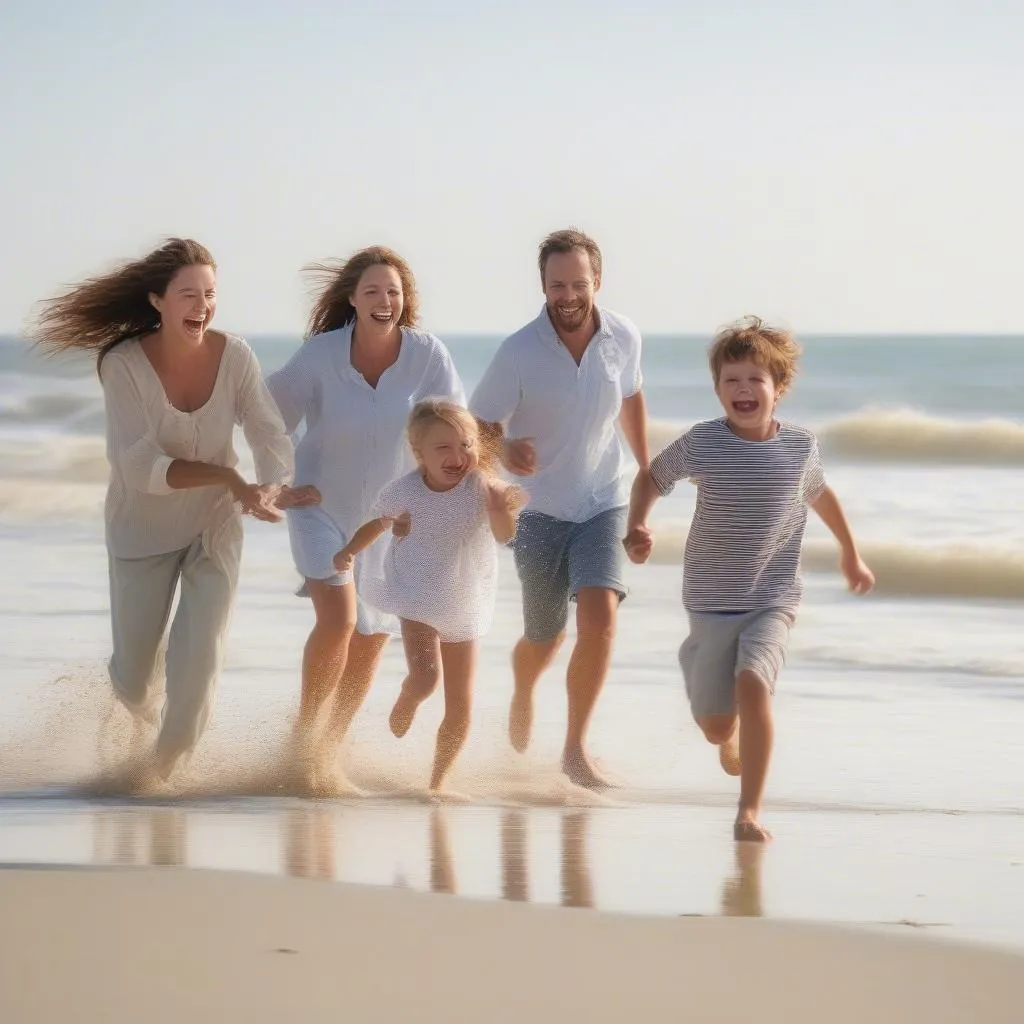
361,370
173,391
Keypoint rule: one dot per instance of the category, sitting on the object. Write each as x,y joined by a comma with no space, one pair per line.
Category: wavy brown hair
101,312
441,410
751,338
339,279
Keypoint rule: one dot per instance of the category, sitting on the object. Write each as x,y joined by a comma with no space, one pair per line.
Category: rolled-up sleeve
264,427
632,379
292,387
442,379
130,444
672,464
497,395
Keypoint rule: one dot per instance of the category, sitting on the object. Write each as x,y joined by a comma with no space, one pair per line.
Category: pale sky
841,166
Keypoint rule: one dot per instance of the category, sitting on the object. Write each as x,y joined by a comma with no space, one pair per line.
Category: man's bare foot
520,720
402,714
748,829
581,772
729,754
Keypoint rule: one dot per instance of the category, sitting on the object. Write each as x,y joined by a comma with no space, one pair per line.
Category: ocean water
902,708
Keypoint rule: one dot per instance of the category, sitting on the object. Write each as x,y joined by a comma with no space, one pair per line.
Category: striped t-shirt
743,550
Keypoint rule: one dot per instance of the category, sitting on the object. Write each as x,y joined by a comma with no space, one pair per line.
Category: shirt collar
548,334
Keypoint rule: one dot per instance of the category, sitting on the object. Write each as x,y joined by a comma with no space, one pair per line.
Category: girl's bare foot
402,714
520,720
729,754
748,829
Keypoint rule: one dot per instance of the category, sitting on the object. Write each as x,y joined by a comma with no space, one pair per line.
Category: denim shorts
556,559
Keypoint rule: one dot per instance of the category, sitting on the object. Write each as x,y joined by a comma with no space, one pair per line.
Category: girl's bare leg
423,655
459,668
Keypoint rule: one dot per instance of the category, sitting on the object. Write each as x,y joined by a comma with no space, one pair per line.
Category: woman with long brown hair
354,381
173,391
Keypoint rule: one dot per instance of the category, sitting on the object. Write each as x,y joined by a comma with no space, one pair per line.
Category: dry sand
168,945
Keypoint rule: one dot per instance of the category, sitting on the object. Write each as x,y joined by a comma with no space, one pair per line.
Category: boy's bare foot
581,772
520,720
402,714
748,829
729,754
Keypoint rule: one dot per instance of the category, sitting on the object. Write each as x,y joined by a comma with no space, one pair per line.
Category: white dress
444,573
354,444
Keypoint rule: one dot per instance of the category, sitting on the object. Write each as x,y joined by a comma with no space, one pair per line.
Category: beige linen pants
141,596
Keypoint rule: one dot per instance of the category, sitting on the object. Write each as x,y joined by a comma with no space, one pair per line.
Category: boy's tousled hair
751,338
440,410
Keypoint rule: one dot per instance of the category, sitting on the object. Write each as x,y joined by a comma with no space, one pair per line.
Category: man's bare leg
596,609
529,661
757,733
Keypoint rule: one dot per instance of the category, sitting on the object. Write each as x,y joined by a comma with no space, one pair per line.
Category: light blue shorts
556,559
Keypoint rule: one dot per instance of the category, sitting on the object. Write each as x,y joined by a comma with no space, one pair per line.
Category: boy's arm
653,482
858,575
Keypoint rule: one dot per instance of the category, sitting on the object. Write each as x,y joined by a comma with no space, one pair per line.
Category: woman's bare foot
402,714
440,795
748,829
520,720
581,772
729,754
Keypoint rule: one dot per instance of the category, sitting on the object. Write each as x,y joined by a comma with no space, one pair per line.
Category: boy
755,479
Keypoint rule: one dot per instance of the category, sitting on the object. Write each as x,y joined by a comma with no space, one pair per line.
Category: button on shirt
355,439
534,388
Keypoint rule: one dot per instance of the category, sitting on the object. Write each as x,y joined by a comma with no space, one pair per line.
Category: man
553,394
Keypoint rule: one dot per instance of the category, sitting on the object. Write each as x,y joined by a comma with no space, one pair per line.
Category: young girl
441,566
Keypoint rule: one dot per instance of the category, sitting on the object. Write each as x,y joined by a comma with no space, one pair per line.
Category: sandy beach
172,945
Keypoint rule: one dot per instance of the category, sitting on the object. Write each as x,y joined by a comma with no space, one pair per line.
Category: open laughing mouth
570,312
383,318
194,324
745,408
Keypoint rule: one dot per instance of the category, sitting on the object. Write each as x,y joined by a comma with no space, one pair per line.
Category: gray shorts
720,646
556,559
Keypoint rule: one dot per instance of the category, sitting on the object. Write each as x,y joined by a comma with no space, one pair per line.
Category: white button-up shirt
355,439
534,388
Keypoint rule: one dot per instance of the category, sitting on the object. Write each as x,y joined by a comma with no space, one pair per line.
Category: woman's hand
298,497
257,500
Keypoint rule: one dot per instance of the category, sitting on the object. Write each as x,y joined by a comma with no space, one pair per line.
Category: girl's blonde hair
431,411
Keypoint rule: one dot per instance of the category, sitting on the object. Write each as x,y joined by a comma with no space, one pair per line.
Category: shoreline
163,944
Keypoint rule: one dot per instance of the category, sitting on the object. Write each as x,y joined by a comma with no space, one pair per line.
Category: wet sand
170,945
